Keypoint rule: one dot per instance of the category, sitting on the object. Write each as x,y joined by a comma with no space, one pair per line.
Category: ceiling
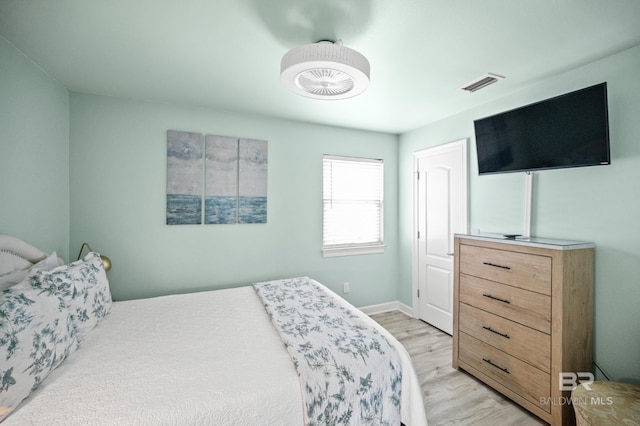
226,54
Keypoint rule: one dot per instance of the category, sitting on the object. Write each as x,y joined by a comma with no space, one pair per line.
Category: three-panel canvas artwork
215,179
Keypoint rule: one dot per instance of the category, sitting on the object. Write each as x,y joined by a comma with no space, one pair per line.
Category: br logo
569,380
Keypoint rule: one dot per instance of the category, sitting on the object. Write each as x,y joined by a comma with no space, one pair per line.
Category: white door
440,210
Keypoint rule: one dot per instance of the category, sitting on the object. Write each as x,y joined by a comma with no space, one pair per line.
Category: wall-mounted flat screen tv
570,130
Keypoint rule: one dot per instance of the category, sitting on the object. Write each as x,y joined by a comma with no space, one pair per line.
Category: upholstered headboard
16,254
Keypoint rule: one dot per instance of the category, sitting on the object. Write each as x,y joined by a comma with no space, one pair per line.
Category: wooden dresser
523,317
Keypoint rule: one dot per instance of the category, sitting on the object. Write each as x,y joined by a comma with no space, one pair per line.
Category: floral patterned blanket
349,372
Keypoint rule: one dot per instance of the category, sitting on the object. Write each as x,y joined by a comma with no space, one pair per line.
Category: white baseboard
386,307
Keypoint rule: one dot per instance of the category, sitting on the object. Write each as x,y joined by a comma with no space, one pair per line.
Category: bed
233,356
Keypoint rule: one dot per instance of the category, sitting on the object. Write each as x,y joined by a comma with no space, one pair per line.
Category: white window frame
352,248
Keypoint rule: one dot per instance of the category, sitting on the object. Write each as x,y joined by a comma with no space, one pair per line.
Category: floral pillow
84,287
36,335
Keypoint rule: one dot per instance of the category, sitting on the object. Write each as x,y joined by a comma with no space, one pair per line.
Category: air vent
480,82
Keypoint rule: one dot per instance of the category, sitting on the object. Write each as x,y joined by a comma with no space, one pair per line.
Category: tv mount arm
528,202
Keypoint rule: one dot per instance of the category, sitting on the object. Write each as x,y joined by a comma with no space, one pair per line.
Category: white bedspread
210,358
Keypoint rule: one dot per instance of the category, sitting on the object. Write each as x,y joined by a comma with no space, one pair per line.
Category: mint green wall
34,153
118,187
598,204
110,155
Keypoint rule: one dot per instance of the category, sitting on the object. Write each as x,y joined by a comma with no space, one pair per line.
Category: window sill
352,250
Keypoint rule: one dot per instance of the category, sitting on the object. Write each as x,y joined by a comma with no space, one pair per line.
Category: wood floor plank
451,397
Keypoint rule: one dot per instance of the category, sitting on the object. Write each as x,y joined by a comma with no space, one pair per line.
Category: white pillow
10,262
14,277
17,254
48,263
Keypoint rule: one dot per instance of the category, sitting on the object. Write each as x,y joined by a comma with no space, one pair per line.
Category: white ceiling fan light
325,70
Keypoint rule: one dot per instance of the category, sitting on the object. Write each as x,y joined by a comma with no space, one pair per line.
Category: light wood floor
450,396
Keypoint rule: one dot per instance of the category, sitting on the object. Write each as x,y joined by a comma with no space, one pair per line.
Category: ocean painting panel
184,178
252,173
221,180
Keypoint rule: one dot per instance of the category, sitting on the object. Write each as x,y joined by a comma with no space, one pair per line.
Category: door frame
417,156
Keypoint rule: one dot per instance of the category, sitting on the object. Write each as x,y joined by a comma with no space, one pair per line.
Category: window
353,206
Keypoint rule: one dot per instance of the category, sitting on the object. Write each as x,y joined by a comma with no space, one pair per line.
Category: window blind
352,201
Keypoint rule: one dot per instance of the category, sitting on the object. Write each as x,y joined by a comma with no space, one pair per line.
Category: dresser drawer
527,271
522,306
522,342
518,376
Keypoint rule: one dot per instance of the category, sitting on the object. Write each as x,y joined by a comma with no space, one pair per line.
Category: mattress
203,358
200,359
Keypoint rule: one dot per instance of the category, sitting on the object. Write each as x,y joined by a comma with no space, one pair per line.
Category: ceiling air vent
480,82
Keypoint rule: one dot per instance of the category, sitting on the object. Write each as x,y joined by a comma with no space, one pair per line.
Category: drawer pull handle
495,265
496,332
496,298
491,363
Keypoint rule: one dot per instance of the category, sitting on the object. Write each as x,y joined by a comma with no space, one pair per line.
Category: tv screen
570,130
